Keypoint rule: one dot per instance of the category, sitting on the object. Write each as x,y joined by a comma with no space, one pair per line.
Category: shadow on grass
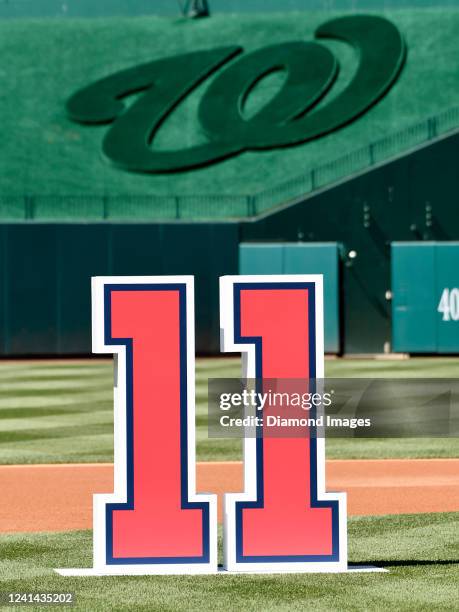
407,563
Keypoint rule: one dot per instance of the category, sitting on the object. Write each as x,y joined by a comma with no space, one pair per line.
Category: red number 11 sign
155,522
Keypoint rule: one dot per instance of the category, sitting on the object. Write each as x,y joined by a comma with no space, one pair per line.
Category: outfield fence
126,207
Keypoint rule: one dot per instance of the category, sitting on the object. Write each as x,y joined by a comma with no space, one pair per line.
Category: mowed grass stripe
438,367
38,412
44,387
77,448
55,432
225,365
64,412
25,374
87,419
55,400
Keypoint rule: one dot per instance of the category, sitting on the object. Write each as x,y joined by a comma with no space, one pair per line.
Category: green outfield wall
412,199
45,268
66,214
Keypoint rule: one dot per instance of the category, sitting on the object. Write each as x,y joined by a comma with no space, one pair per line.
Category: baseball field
60,412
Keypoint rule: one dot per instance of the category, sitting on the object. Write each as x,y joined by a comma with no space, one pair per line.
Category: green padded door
425,304
413,299
261,258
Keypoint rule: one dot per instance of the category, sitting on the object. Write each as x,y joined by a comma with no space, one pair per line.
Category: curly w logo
288,119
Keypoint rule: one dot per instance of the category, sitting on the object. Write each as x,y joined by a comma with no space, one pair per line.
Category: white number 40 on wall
449,305
155,522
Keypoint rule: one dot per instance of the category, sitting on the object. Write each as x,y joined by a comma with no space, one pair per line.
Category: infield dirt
59,497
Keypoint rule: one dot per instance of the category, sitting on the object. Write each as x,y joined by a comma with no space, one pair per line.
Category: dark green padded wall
45,272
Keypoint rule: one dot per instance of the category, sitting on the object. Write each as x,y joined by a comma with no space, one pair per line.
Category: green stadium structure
66,214
57,164
89,8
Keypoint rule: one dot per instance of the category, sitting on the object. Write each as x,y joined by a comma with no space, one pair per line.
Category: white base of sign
141,571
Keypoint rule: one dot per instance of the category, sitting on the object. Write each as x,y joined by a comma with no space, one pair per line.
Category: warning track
59,497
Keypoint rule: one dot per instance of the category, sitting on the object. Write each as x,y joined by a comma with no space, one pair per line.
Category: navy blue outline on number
129,505
259,503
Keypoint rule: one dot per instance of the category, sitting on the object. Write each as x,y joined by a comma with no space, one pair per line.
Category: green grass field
43,153
62,411
420,552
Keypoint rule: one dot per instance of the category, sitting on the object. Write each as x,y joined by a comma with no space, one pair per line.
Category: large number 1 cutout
154,522
284,520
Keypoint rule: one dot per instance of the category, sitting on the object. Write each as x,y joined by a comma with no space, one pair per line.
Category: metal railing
133,208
